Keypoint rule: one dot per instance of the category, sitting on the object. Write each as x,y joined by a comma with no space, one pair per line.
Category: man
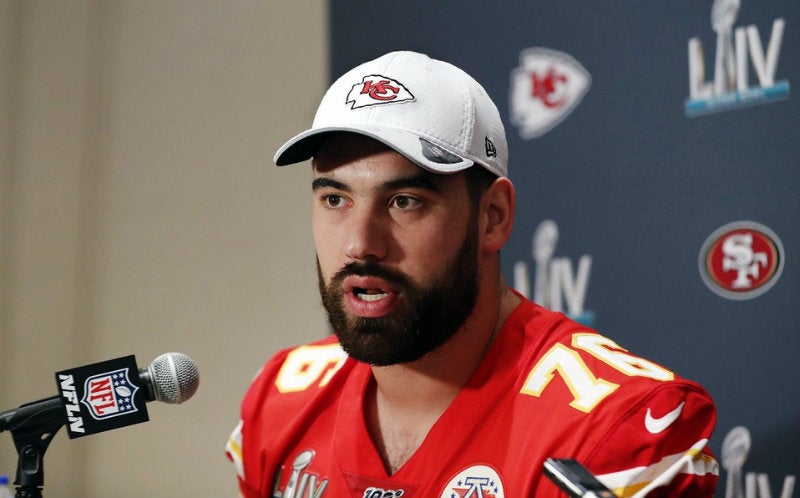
440,380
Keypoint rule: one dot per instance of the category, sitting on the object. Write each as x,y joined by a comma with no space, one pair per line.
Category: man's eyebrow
323,182
424,181
418,181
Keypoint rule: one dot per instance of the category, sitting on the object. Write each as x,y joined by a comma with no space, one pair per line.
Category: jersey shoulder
592,367
625,416
295,376
293,387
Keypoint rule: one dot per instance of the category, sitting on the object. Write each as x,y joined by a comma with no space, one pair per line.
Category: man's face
397,251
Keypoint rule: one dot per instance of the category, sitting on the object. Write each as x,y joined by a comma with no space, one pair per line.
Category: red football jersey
549,387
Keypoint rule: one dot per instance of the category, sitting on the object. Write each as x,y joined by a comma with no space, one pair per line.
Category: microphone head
174,377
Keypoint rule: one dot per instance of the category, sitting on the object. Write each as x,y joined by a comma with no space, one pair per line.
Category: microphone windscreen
175,377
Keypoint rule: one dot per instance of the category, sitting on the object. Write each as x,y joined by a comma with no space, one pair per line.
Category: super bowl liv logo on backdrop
555,281
730,88
735,449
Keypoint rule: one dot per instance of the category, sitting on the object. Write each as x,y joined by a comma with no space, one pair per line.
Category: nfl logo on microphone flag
102,396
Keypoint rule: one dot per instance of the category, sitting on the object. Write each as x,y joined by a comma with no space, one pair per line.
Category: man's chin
375,348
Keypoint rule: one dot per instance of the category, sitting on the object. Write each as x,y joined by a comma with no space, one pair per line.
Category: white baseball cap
430,111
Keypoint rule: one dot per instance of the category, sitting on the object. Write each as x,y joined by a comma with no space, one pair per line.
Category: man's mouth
370,295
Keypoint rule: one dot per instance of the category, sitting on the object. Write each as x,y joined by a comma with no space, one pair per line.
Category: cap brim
422,152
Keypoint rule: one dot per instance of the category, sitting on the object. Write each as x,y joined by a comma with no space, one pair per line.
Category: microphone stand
32,427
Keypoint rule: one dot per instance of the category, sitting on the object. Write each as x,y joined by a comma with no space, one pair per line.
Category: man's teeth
371,297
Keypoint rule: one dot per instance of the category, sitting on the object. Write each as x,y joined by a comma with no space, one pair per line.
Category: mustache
369,269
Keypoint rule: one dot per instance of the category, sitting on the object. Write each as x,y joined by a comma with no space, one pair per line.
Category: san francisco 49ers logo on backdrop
741,260
477,481
376,89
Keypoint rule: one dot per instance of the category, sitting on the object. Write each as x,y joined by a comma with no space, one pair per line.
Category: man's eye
405,202
332,200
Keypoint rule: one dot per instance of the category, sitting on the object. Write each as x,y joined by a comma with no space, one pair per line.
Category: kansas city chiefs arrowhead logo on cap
375,90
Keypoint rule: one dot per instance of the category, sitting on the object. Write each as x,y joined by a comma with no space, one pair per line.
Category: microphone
575,479
107,395
170,378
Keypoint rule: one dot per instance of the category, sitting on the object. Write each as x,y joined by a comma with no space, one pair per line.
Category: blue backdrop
656,151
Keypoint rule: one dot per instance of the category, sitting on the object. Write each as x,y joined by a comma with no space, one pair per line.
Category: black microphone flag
102,396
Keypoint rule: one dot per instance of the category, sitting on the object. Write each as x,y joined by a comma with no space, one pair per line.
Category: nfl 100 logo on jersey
383,493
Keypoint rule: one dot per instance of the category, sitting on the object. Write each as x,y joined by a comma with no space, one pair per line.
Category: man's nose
367,236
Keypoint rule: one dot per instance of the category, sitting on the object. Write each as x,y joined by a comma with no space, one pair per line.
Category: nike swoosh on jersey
658,425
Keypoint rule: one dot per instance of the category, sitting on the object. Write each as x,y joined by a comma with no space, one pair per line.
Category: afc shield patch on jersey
476,481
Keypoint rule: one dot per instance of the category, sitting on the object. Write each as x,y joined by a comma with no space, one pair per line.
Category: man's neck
404,401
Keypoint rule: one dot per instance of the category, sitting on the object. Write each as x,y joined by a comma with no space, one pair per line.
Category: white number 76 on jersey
587,389
315,365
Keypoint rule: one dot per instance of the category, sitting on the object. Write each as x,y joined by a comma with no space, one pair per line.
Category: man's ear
498,205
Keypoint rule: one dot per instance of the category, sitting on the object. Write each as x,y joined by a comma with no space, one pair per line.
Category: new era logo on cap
376,89
491,150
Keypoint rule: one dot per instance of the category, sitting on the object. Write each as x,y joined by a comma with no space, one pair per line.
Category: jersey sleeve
233,449
278,402
236,450
659,447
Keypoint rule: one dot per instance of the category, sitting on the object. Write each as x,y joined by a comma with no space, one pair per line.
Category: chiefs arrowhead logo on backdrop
376,89
545,89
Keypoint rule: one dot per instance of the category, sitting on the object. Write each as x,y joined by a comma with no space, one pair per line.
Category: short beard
426,318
